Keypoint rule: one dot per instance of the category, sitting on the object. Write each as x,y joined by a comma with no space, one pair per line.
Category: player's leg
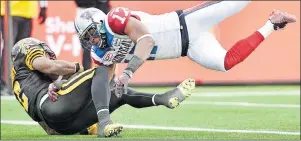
87,120
208,52
75,102
170,99
16,23
85,123
25,28
88,114
115,103
204,16
101,95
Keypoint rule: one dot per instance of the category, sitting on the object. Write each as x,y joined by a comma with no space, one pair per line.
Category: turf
226,117
36,133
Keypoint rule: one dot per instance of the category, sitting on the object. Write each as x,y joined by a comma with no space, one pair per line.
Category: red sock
242,49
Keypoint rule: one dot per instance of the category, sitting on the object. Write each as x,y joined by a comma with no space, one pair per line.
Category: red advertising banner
276,60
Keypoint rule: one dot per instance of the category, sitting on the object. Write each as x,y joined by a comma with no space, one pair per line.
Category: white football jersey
165,29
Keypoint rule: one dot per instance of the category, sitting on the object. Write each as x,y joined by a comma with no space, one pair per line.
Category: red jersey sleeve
118,18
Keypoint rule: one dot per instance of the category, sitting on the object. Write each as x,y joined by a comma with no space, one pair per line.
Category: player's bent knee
208,52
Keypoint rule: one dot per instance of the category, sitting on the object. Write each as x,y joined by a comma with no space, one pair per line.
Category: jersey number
122,19
22,98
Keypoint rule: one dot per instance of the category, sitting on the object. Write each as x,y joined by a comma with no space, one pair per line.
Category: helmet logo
87,15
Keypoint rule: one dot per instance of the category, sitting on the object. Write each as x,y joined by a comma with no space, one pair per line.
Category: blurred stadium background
237,112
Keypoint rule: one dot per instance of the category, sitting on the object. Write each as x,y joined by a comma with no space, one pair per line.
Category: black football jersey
28,83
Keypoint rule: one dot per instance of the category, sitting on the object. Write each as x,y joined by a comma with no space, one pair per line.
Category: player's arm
36,60
121,22
139,33
57,67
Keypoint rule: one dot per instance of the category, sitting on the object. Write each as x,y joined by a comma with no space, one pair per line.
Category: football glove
121,83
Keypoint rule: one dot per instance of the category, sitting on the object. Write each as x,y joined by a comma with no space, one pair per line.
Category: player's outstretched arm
145,42
57,67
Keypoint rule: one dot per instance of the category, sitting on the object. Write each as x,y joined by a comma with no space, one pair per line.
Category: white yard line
175,128
241,104
19,122
246,93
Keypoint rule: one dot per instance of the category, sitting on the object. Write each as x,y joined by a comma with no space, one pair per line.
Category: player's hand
121,83
53,88
52,92
119,88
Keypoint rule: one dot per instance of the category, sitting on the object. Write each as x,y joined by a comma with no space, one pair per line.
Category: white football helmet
89,24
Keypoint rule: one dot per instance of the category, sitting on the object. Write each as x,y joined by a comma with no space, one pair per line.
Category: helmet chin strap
103,38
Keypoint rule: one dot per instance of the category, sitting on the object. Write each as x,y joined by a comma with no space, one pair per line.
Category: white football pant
203,46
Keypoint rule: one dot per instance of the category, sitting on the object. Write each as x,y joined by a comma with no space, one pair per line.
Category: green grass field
232,113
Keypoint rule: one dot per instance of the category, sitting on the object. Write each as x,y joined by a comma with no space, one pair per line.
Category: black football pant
74,110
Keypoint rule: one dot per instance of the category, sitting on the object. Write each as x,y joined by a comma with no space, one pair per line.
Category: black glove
42,15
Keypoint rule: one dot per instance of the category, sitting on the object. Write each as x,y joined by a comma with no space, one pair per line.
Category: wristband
76,67
134,64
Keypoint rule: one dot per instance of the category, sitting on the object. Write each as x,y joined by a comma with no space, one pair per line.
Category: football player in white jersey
125,36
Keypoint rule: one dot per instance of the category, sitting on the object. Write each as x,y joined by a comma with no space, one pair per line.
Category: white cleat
187,86
179,94
111,130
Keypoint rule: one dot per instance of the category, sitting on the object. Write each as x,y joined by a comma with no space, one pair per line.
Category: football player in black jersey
81,102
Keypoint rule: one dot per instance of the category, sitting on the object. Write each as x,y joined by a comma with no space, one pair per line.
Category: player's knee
220,68
217,64
213,61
